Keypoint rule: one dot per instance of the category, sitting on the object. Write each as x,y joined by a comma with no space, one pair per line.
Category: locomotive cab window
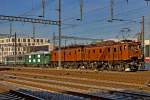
93,51
89,51
124,47
108,49
120,48
75,52
115,49
100,51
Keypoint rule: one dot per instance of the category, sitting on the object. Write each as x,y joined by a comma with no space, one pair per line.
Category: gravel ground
140,78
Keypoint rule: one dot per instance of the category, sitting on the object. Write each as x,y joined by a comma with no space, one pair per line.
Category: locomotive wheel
121,68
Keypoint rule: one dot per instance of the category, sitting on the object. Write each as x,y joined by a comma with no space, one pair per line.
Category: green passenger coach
37,58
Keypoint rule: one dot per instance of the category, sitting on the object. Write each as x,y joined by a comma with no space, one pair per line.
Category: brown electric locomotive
108,55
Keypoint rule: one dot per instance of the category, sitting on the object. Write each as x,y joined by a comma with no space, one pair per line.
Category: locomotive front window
133,47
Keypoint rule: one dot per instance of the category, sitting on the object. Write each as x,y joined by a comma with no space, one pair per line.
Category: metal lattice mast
59,30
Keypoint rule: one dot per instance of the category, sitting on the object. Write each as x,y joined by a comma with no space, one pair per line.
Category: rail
24,95
89,96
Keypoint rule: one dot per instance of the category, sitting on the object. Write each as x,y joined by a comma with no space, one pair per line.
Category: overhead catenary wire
90,21
133,11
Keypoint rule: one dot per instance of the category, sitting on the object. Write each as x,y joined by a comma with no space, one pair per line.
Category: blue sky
94,24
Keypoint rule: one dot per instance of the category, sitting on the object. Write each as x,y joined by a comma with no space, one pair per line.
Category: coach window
78,50
89,51
75,52
55,54
114,49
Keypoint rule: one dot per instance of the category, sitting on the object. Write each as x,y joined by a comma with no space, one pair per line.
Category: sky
96,14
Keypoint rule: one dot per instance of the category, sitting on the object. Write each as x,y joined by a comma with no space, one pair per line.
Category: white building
7,45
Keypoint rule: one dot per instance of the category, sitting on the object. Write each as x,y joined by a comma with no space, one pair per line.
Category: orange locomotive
108,55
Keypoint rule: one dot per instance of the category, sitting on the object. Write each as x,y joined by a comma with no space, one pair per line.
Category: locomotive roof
71,46
103,43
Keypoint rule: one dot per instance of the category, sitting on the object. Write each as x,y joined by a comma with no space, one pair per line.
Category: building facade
10,46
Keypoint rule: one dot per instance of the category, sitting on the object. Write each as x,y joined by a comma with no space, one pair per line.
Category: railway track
103,95
16,95
109,95
91,89
50,95
76,81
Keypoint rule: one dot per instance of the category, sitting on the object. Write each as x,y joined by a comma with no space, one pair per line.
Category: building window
24,40
13,40
37,40
41,40
24,48
28,40
18,40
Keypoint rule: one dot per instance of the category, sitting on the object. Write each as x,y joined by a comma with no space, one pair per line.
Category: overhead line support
31,20
59,31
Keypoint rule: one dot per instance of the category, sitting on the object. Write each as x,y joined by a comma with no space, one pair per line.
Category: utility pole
111,10
81,10
33,36
43,7
15,47
142,38
2,52
10,29
59,29
54,39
